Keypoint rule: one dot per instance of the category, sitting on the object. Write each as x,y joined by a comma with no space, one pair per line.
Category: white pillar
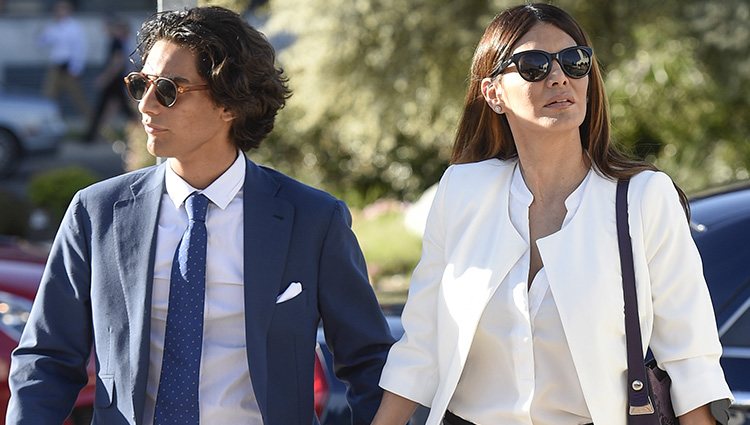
162,5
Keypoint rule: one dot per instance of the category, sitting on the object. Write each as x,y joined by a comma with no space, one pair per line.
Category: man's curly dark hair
235,59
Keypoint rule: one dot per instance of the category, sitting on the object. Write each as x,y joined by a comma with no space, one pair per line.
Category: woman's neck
553,168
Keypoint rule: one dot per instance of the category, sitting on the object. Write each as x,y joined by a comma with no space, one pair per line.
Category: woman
515,311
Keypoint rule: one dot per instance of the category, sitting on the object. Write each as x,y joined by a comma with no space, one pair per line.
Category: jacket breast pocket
290,316
105,390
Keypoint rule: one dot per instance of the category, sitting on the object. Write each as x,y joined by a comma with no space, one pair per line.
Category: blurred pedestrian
515,312
66,42
110,83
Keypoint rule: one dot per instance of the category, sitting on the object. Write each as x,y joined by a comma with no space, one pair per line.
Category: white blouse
519,369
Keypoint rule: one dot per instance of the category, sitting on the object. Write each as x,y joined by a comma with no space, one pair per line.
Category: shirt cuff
720,410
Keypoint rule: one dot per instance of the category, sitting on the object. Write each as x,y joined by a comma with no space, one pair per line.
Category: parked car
721,229
21,267
29,125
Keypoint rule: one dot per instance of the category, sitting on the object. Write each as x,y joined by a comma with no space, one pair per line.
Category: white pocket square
294,289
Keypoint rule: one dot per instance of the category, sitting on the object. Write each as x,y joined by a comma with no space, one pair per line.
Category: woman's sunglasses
167,90
535,65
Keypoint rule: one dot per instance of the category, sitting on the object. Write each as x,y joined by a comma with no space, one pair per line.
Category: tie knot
196,205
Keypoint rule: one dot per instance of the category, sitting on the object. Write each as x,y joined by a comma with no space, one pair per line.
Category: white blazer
470,245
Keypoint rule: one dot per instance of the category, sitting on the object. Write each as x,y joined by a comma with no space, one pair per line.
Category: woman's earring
498,109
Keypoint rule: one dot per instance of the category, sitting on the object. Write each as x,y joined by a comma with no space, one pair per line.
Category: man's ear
492,93
227,115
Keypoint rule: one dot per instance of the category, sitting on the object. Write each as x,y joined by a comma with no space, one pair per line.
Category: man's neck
201,174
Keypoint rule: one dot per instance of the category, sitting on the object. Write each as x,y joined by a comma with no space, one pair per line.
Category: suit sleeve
48,368
685,340
412,367
354,326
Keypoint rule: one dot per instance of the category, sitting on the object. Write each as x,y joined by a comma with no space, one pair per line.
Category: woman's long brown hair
483,134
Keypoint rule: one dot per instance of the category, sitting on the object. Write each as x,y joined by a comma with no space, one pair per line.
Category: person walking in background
201,281
67,46
110,82
515,311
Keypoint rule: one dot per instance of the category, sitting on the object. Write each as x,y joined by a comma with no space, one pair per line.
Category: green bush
53,190
389,248
14,215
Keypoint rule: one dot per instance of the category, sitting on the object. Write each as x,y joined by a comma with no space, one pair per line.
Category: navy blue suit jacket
97,289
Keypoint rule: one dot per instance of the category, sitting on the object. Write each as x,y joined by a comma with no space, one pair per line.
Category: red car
21,267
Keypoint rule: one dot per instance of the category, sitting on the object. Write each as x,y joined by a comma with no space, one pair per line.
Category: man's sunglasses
535,65
167,90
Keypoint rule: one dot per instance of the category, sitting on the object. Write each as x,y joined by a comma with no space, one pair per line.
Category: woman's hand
394,410
699,416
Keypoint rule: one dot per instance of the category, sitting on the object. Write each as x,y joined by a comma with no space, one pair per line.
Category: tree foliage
677,74
379,85
377,90
238,6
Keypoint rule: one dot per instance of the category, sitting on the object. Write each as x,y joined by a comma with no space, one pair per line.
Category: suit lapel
267,234
586,284
135,219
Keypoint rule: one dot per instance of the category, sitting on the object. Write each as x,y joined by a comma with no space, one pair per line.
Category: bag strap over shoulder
639,402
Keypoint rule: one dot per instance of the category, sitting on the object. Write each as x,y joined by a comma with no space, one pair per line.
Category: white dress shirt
519,369
225,392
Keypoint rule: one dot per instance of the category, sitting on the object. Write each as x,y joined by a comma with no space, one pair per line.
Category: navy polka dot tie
177,397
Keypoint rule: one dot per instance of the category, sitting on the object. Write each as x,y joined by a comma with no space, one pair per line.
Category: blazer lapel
267,234
586,284
481,226
135,219
494,244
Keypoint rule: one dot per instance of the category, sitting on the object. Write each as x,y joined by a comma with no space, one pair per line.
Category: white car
29,125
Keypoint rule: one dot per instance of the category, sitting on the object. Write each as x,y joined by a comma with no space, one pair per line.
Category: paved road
98,157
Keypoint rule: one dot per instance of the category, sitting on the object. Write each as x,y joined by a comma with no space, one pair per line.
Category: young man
201,281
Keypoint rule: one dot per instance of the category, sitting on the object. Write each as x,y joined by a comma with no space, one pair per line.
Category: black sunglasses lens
136,85
576,62
166,92
533,66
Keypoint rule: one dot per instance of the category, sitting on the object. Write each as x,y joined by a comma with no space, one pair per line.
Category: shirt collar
574,199
521,192
220,192
518,189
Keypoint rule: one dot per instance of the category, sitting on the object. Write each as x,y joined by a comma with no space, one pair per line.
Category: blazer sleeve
684,340
356,330
48,368
412,367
